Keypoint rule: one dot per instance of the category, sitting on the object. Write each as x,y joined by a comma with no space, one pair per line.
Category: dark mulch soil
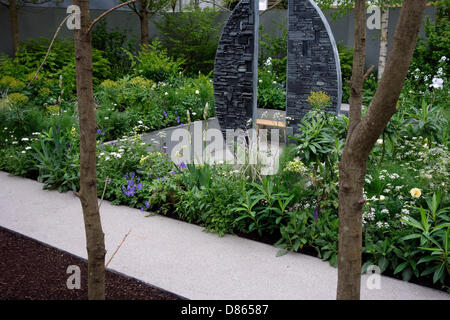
33,271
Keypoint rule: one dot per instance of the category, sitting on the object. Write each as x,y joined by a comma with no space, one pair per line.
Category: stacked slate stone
233,69
313,63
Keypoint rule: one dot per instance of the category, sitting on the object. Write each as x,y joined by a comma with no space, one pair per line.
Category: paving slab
181,257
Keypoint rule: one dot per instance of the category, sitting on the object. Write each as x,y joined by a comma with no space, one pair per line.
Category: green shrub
153,62
274,46
111,44
192,35
428,53
271,93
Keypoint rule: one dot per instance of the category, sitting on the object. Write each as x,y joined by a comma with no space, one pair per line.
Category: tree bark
351,175
95,242
14,25
383,41
363,133
143,16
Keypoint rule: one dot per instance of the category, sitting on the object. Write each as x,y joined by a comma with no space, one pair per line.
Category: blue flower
182,165
316,214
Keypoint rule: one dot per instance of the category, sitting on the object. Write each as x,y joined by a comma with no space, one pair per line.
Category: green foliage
428,53
273,46
157,105
193,36
271,93
57,154
153,62
111,44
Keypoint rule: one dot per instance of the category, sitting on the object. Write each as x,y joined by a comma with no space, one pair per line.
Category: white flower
140,122
25,139
438,83
106,118
15,142
382,198
28,148
443,58
260,81
274,82
197,92
166,93
380,141
24,152
385,211
415,192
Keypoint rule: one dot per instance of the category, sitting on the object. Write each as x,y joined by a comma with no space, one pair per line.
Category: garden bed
30,270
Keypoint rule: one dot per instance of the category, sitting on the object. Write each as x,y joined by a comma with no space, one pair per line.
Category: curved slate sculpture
236,68
313,60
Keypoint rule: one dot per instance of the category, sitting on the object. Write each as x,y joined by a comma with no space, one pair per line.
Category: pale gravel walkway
178,256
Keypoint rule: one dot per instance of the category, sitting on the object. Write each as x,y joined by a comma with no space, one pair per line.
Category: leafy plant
193,36
154,63
58,163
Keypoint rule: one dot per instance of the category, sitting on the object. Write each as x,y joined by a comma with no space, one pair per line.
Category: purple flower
172,172
165,113
99,131
147,204
178,119
139,186
142,209
109,180
182,165
316,214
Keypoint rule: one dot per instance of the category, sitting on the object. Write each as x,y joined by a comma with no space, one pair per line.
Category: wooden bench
271,123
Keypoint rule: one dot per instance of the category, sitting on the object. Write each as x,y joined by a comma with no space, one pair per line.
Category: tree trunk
383,41
14,25
95,241
363,133
143,16
351,175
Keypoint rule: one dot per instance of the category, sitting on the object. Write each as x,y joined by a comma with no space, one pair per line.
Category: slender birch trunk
383,41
